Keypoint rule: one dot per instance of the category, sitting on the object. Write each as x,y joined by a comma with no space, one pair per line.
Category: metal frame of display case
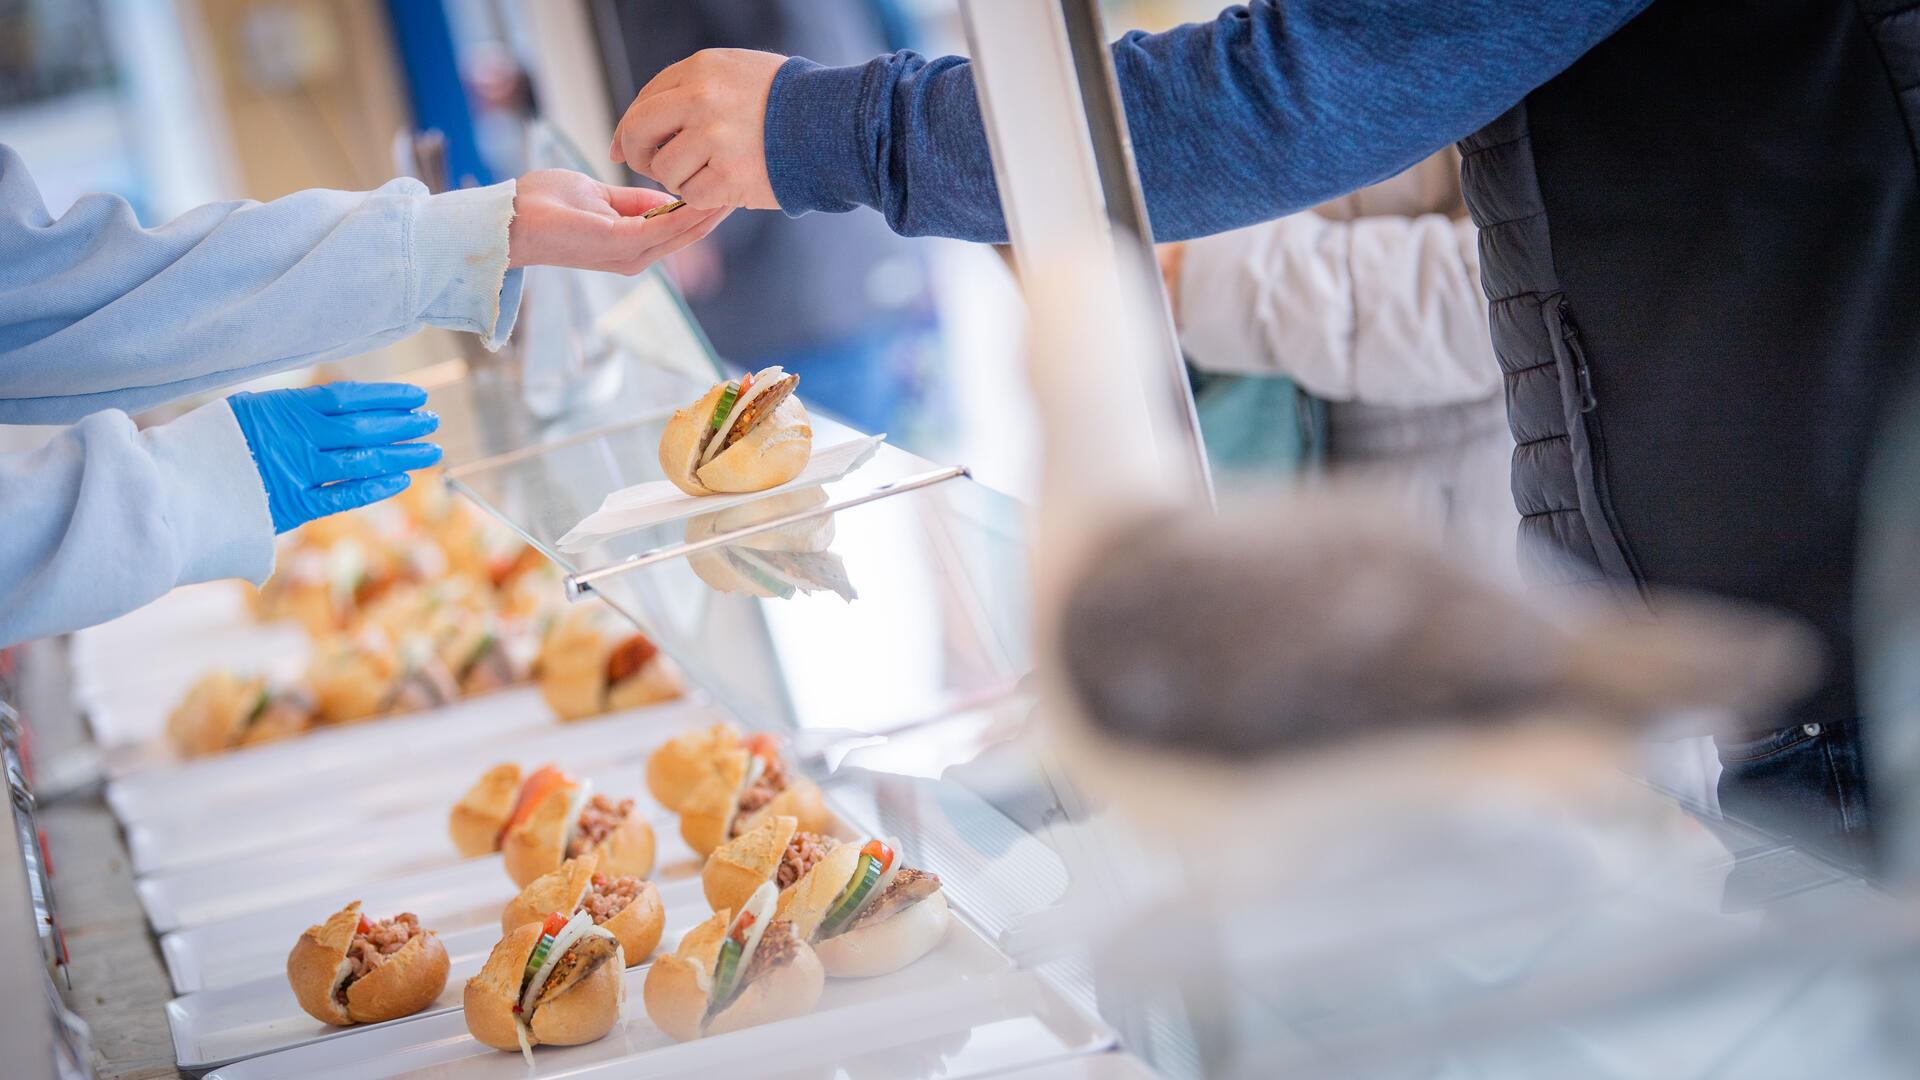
43,1038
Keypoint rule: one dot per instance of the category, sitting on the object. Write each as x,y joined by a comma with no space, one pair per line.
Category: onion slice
762,379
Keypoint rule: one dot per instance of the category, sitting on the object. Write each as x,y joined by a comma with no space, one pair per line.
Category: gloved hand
324,449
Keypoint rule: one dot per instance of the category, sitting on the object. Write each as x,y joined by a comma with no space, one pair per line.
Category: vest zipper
1582,374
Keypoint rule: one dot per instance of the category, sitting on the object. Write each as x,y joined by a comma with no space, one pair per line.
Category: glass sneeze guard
868,619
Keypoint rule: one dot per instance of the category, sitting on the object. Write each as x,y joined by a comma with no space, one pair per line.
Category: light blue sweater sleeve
100,317
105,517
97,312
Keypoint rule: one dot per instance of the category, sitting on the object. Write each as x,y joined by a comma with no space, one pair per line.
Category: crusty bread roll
572,666
685,763
678,986
559,889
538,843
810,898
353,680
476,820
201,722
790,990
654,683
581,1013
739,866
637,926
217,714
772,453
707,822
675,993
628,850
802,800
886,946
407,982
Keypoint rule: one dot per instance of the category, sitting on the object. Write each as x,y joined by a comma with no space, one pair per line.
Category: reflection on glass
777,562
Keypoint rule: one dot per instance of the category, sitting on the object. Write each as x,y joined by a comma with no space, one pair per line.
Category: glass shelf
934,619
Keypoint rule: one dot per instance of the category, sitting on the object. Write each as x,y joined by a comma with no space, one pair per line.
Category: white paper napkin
656,501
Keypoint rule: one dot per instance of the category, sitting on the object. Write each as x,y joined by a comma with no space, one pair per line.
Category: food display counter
884,641
876,622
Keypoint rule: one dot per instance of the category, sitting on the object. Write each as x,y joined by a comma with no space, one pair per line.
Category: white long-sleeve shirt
1380,310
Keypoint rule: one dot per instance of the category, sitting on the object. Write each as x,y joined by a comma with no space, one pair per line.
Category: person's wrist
812,137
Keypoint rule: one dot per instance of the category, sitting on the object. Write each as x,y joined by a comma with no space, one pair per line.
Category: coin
663,209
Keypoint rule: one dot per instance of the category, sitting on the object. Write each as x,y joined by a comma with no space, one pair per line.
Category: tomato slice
366,924
746,384
880,853
761,744
740,928
555,923
544,780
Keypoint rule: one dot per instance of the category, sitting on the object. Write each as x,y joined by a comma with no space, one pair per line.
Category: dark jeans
1807,784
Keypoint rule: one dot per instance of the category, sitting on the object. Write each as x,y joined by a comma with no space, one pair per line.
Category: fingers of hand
371,429
633,202
345,397
651,121
679,160
709,220
639,244
354,494
363,463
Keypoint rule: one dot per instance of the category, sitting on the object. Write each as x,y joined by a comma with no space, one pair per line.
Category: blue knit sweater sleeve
1266,110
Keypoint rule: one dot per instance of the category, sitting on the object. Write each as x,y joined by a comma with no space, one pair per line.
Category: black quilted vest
1702,247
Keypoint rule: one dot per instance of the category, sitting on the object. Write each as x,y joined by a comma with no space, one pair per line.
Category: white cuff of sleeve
216,506
458,248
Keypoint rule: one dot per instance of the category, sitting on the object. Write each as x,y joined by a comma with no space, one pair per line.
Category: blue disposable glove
324,449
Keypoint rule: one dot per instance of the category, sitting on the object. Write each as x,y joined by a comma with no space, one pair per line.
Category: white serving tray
362,857
331,805
959,1012
213,1027
339,751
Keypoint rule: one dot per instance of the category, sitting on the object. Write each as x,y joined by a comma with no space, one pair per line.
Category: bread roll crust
639,924
808,902
680,442
407,982
788,991
536,843
318,964
741,865
654,683
572,665
628,850
675,993
885,947
489,997
559,889
774,452
586,1011
706,823
204,720
475,821
682,764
